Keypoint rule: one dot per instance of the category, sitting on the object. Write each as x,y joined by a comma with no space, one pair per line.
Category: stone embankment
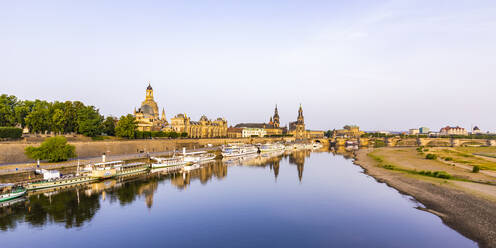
13,152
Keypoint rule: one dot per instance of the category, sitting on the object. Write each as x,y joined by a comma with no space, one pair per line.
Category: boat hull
103,174
44,185
10,196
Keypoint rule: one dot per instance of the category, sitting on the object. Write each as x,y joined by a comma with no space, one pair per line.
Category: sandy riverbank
466,206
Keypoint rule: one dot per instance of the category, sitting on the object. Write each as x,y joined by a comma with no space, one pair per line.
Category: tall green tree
38,120
109,126
70,115
22,110
58,121
89,121
7,114
126,127
53,149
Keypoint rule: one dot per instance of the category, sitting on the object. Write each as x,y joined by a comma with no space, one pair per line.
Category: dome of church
147,109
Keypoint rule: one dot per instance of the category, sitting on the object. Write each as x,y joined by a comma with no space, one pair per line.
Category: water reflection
74,206
263,202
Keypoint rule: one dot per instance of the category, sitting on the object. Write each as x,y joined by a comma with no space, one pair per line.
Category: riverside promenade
11,168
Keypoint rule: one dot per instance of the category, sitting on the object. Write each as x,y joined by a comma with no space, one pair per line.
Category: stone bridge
414,142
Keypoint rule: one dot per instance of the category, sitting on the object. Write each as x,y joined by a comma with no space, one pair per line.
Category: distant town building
413,131
452,131
476,130
424,130
348,131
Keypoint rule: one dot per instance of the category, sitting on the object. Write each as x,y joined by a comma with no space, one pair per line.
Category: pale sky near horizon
384,65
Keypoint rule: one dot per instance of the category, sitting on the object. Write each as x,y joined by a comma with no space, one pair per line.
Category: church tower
300,119
276,118
149,93
300,124
163,119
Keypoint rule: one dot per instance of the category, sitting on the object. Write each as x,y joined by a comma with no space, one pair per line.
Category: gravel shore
471,214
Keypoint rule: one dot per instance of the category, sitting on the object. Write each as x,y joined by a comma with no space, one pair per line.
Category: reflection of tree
9,216
75,206
64,207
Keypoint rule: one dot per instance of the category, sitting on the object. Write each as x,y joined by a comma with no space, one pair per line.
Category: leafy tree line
41,116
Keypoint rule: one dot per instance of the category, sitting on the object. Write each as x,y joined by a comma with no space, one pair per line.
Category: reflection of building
148,190
452,131
298,158
215,169
147,115
297,128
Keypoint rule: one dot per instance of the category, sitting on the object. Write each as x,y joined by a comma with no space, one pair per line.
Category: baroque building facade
148,119
204,128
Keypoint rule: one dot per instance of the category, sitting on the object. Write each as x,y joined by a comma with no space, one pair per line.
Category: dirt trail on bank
473,214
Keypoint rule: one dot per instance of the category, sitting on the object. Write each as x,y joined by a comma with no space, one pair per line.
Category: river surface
301,199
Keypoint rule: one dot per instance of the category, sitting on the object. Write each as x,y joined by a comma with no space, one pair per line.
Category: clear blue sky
384,65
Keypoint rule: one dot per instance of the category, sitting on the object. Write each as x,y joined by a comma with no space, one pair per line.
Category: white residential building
453,131
250,132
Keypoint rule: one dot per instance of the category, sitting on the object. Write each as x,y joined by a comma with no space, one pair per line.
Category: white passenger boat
238,150
132,168
10,191
271,147
169,162
196,157
103,170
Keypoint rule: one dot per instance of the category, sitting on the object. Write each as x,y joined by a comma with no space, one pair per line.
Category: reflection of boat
10,191
238,150
191,167
168,162
271,147
196,165
12,202
196,157
351,145
317,145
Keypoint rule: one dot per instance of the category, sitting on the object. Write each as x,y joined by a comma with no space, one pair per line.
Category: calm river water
299,200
